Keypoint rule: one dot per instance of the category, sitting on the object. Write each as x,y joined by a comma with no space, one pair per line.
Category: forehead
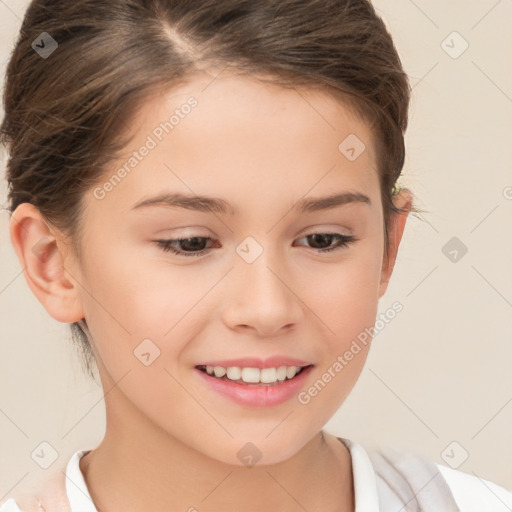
240,136
253,103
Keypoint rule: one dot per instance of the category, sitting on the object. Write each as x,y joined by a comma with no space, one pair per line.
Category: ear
42,253
402,200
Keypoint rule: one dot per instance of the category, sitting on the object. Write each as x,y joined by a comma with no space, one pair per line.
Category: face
258,282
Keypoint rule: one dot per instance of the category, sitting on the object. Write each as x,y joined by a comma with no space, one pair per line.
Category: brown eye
196,246
192,246
321,242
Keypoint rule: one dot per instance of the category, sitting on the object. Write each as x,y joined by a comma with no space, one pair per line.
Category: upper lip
255,362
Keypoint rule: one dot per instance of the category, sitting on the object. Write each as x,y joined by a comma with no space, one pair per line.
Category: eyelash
165,245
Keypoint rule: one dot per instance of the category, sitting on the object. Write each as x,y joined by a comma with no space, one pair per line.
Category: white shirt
471,493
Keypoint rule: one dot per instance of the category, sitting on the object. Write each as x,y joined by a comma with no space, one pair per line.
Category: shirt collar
78,495
365,481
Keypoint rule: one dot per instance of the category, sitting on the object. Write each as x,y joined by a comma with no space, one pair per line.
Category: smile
252,386
250,375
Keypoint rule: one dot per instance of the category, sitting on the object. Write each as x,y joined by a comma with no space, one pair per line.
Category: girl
207,192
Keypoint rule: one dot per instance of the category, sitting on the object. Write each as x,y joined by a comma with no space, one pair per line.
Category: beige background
439,372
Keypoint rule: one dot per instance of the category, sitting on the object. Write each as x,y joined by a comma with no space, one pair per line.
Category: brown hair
66,114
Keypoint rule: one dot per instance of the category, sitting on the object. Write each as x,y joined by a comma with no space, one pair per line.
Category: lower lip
257,394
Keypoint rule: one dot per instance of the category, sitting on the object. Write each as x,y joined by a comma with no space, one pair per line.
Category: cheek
346,300
345,296
347,308
135,309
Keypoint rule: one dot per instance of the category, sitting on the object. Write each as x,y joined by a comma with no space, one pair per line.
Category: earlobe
39,250
396,230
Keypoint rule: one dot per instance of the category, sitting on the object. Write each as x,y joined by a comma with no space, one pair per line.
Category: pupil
321,237
194,246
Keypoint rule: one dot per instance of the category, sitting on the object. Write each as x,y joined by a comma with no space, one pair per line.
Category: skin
262,148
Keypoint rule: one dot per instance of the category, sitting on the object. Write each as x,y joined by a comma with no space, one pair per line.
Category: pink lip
254,362
256,394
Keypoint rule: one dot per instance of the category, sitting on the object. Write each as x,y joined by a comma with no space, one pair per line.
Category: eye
190,245
327,238
195,246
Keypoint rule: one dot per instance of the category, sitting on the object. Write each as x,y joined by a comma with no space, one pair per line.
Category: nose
261,297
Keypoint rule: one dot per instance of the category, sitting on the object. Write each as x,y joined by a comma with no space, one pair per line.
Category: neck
138,466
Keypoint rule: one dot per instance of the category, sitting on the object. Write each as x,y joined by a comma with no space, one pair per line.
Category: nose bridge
262,273
259,266
261,298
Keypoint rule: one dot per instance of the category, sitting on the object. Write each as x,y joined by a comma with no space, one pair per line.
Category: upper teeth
254,375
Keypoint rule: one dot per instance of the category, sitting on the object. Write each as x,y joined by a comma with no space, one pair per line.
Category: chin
256,450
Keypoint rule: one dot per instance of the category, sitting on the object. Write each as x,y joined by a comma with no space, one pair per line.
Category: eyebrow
217,205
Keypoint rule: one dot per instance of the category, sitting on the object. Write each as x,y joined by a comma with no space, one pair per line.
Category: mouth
251,376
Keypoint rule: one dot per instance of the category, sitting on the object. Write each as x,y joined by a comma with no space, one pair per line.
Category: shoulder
53,497
12,506
409,476
48,488
25,500
474,494
54,500
9,506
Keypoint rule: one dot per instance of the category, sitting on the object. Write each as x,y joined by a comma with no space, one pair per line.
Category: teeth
291,371
254,375
251,375
281,373
268,375
219,371
233,373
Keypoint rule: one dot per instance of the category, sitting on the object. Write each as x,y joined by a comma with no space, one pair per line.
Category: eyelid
326,229
343,242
